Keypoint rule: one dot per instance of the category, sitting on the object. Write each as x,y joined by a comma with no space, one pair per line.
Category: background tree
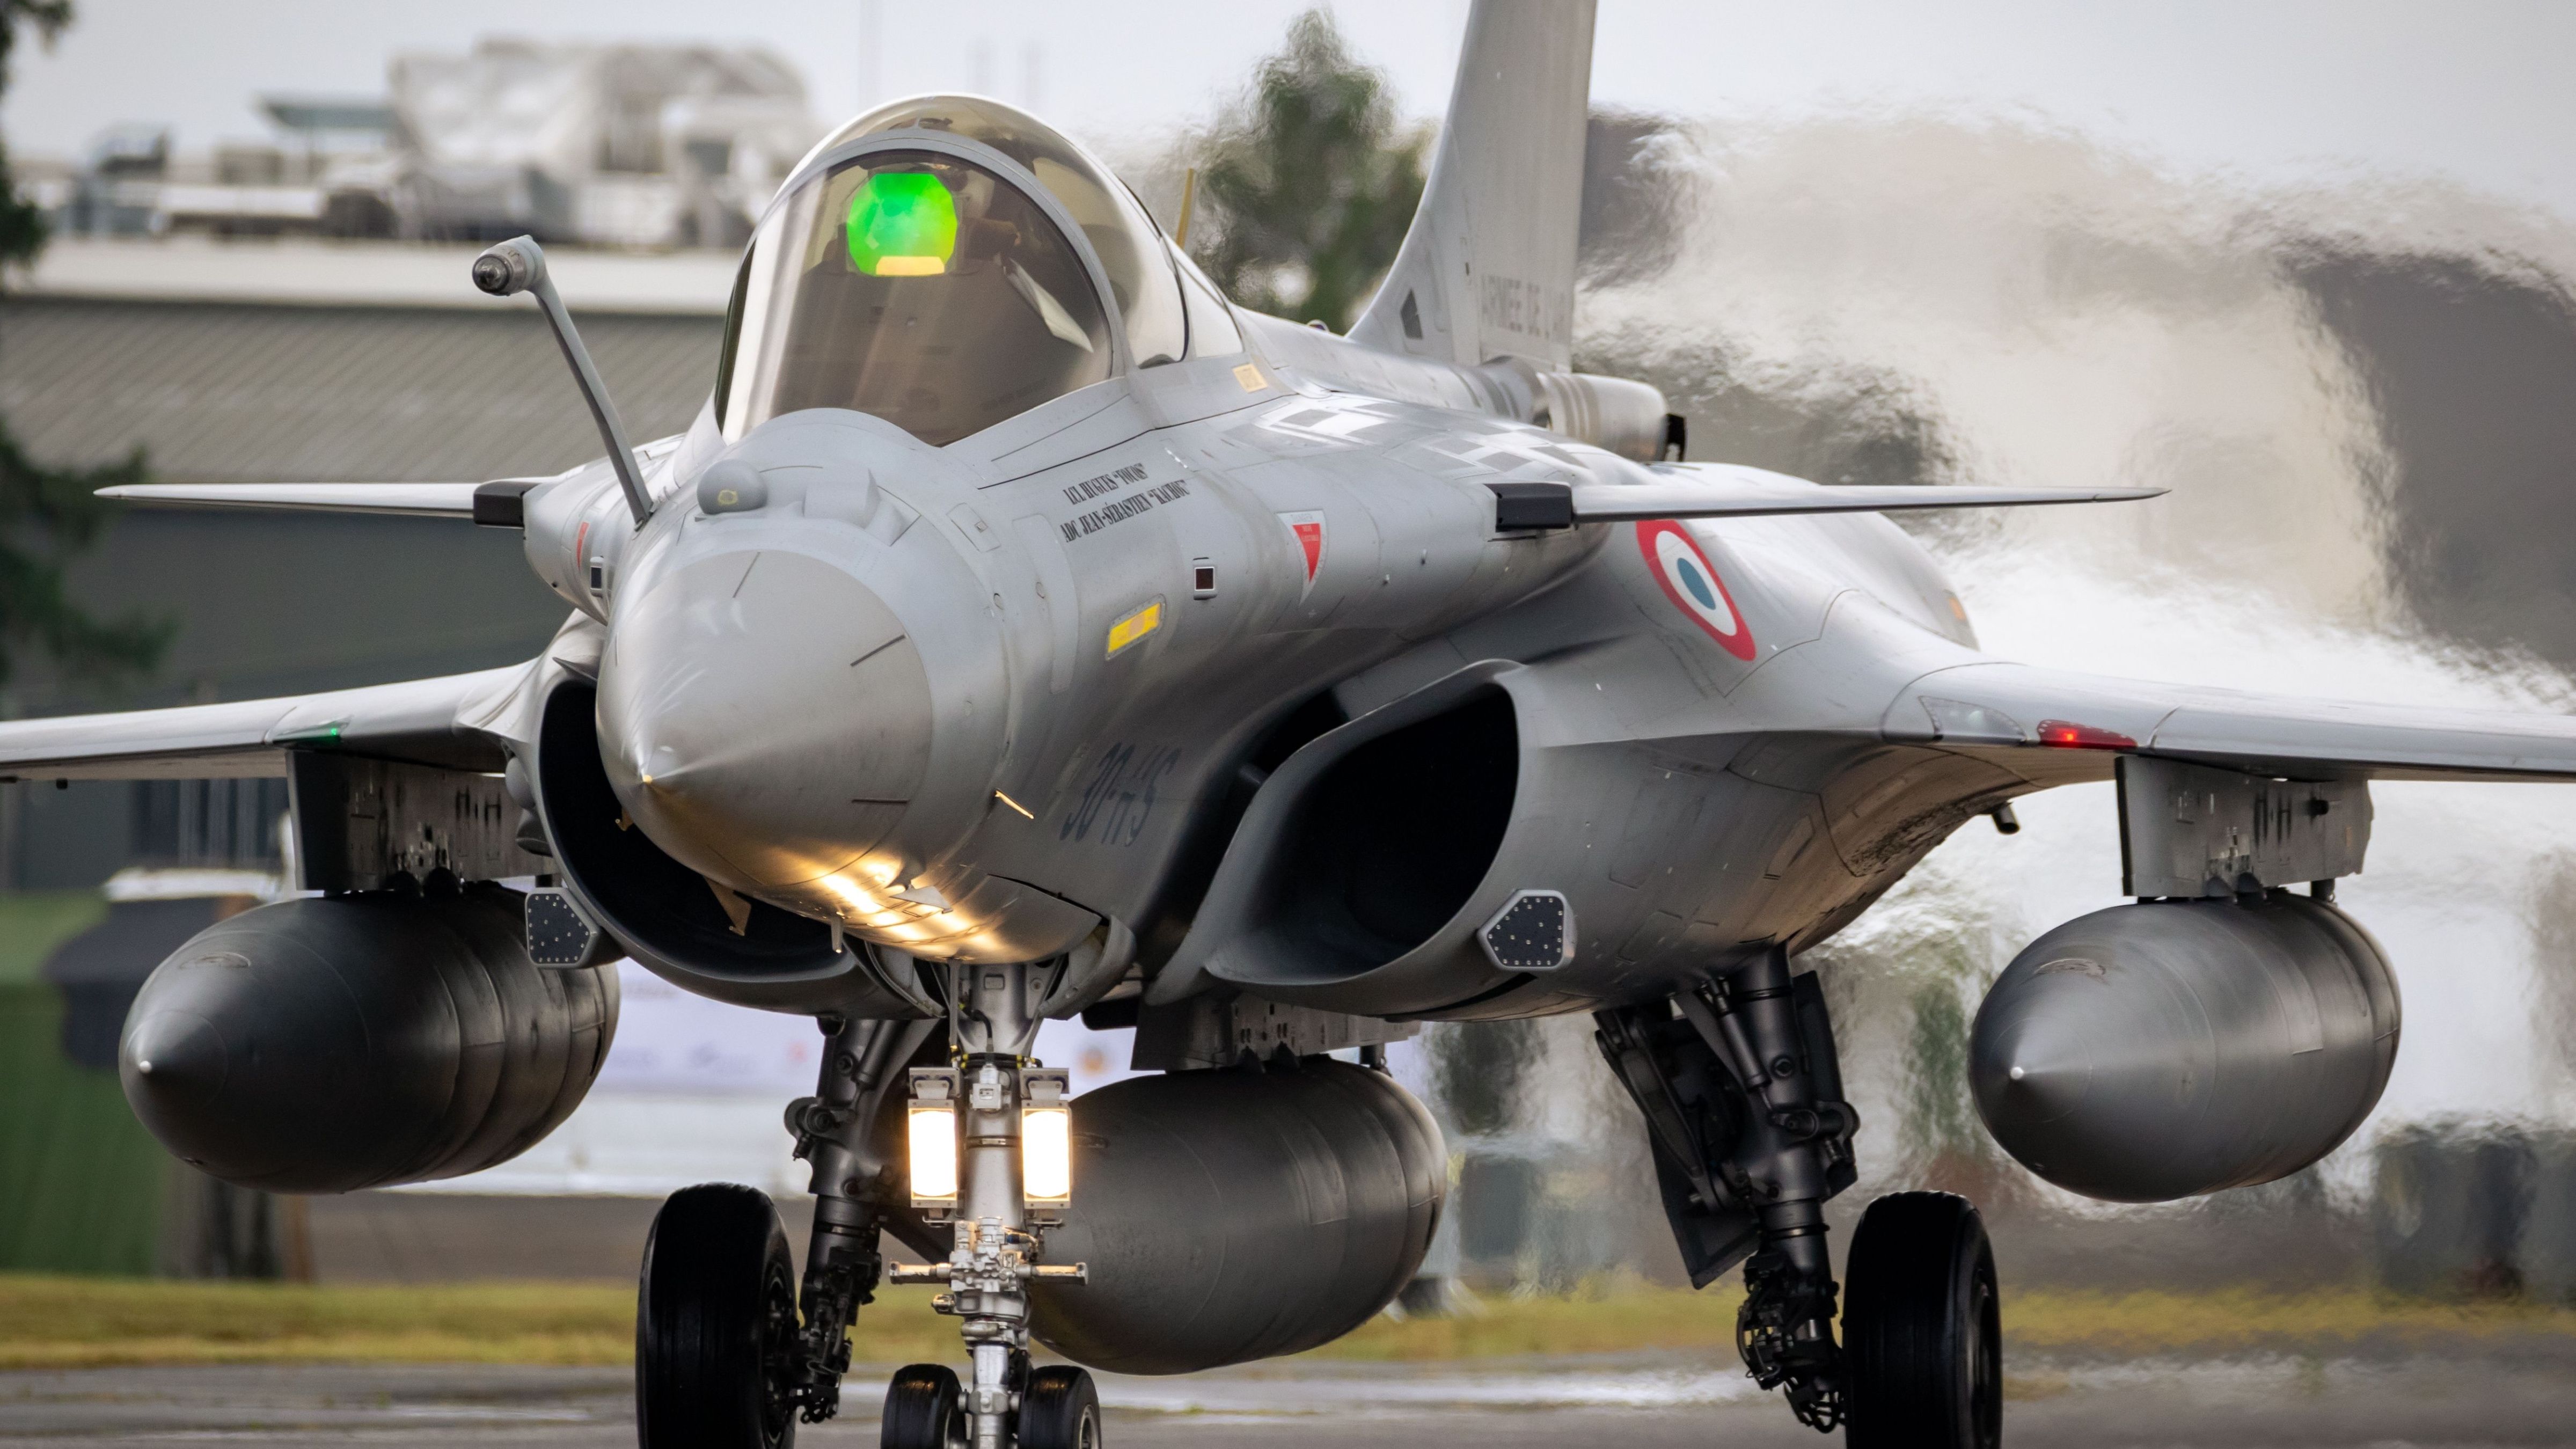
1307,183
48,515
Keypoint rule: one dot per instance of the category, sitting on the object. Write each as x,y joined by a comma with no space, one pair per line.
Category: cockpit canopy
918,281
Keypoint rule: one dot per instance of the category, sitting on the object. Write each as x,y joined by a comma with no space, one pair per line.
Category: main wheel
715,1324
922,1409
1922,1338
1061,1410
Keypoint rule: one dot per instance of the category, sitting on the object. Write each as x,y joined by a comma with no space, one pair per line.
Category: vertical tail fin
1487,269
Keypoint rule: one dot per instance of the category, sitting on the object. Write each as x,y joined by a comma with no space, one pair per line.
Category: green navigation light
902,224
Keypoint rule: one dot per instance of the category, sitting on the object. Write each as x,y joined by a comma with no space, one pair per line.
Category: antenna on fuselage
519,265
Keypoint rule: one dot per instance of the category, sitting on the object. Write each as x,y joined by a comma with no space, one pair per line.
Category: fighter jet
1024,630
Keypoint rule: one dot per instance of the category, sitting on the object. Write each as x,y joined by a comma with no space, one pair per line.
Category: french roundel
1691,582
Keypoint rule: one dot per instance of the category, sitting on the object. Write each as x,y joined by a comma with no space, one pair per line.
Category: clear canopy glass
932,292
916,286
1129,245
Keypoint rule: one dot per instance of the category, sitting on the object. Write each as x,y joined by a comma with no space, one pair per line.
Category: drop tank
2166,1049
332,1044
1239,1214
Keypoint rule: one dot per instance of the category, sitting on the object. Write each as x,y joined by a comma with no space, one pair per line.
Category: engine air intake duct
346,1042
1239,1214
2166,1049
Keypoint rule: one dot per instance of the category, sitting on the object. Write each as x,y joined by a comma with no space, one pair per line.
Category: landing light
932,1128
1046,1139
1046,1154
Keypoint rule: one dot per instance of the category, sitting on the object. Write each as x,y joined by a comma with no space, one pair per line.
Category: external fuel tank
2165,1049
1239,1214
343,1042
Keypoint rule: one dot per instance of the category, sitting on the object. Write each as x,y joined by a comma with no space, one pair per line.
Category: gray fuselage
1230,652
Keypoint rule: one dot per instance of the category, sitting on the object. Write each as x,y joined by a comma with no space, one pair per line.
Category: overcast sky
2475,91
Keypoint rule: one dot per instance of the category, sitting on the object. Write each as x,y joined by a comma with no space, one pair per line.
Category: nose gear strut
998,1233
1744,1105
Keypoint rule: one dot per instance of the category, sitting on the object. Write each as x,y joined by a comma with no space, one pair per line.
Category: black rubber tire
923,1409
715,1324
1922,1336
1060,1410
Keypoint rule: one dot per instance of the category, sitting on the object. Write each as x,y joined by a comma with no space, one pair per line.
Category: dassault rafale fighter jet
1021,631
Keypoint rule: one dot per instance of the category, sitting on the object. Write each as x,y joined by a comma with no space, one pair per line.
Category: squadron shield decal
1691,582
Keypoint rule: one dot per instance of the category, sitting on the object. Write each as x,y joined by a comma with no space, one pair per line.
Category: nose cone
2031,1068
2093,1063
173,1065
764,717
234,1056
2046,1078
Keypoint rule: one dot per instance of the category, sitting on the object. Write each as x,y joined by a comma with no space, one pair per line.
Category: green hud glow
902,224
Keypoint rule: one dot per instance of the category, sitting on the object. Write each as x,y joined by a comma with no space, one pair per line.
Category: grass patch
55,1322
60,1322
2242,1321
33,923
2047,1320
1614,1321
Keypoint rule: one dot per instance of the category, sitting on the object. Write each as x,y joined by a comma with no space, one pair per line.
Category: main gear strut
1743,1101
858,1192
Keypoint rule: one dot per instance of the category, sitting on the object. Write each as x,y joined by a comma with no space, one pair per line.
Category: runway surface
2504,1397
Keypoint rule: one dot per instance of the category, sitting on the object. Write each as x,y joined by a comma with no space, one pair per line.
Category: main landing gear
1743,1101
1922,1345
715,1324
725,1359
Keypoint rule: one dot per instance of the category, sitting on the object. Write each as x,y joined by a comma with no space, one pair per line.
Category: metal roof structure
219,391
314,116
288,362
194,353
307,271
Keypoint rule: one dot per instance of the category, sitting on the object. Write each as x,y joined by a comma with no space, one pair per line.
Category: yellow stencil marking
1136,626
1251,378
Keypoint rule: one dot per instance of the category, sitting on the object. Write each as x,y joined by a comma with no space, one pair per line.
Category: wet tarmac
2505,1397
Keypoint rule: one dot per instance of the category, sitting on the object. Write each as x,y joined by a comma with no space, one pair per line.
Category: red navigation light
2065,736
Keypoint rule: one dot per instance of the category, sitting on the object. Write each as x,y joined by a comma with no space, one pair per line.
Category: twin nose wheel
925,1409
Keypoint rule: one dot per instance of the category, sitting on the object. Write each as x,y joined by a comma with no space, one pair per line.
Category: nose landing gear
991,1153
922,1409
1061,1410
